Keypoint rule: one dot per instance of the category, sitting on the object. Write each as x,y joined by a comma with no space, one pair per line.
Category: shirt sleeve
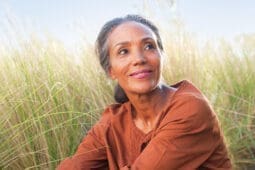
188,137
91,153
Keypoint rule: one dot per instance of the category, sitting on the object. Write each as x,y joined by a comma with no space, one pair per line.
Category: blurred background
53,89
73,21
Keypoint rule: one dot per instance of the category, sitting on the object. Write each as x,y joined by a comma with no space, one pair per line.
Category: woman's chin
143,89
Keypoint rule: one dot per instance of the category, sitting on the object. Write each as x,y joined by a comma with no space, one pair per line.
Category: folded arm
91,153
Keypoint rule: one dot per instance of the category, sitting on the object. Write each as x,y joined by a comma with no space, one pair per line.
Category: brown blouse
187,136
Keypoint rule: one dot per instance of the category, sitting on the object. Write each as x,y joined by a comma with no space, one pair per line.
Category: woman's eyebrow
121,44
128,42
148,38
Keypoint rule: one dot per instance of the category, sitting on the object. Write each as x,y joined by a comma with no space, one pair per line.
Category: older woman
153,126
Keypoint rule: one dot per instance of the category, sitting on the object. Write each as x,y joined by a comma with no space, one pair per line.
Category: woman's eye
123,51
149,46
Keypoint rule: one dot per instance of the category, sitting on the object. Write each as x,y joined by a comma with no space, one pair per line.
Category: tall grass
48,100
226,74
47,103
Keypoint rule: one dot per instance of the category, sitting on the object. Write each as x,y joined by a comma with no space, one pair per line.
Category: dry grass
48,100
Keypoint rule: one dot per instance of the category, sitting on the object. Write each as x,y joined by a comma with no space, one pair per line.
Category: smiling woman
154,125
131,45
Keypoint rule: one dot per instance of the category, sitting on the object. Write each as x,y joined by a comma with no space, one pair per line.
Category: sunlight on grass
48,100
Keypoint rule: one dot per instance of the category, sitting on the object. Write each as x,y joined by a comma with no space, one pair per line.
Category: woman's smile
141,74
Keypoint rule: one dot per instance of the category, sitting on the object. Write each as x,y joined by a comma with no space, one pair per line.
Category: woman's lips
141,74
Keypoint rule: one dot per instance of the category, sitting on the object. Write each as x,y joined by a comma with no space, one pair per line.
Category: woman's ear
111,73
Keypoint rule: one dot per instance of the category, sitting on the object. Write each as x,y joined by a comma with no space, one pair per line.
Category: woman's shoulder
111,116
187,91
188,109
186,87
189,101
114,111
112,119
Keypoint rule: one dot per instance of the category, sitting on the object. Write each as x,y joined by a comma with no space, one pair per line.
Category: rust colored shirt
187,136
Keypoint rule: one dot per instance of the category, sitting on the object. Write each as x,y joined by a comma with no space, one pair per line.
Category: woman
154,126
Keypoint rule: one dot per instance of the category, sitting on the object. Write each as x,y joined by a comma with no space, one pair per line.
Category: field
50,96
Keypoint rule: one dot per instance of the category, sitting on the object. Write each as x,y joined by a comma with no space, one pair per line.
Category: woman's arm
189,138
91,153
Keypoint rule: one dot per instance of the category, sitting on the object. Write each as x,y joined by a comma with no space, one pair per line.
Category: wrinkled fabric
187,136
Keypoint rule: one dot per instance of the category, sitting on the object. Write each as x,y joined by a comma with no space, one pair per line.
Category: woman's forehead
130,31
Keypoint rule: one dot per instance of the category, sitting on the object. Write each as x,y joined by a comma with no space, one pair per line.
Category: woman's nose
139,58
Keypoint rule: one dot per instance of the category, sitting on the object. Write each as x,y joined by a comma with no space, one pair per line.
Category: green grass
48,100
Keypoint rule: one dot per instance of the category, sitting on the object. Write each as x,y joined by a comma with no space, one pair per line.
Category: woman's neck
146,108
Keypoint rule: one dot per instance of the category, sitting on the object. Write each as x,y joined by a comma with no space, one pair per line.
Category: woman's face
134,57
